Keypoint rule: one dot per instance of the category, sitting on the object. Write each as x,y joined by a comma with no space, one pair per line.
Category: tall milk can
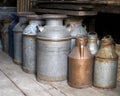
29,43
106,64
53,47
5,34
80,64
18,37
93,42
76,28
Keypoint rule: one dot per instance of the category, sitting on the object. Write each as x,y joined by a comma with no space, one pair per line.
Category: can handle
40,28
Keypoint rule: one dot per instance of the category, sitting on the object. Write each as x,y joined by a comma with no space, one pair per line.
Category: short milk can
53,47
80,64
106,64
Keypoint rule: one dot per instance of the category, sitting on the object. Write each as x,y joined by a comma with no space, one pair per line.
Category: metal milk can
106,63
53,47
18,29
93,42
117,48
29,43
77,29
80,64
5,34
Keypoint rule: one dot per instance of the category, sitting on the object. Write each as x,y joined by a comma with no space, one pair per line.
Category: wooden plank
66,12
7,88
66,6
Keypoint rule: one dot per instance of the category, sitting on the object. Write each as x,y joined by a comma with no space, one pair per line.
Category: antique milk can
106,63
53,47
5,34
18,29
93,42
80,64
117,47
76,28
29,43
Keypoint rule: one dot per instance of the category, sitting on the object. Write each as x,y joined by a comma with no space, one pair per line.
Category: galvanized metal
117,48
80,65
93,42
18,38
29,43
5,34
106,63
53,47
76,28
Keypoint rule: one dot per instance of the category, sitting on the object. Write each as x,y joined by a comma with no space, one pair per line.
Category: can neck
22,20
54,22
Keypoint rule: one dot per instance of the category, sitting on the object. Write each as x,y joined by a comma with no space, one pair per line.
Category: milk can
18,37
106,63
29,43
80,64
53,46
117,47
93,42
5,34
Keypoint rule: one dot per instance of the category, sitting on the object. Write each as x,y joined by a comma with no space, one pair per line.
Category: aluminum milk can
53,47
5,34
106,63
80,64
93,42
18,37
77,29
29,43
117,47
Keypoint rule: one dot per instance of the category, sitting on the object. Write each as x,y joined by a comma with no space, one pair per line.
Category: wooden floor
15,82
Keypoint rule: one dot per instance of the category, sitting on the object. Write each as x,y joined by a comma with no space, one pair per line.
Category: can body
52,60
105,73
18,47
29,53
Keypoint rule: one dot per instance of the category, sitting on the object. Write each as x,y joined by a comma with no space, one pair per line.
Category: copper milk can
106,63
117,47
80,65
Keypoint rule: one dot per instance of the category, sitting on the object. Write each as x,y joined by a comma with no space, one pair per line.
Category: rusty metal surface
106,64
117,47
80,65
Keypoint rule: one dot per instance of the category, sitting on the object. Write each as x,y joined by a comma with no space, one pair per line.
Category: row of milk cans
55,54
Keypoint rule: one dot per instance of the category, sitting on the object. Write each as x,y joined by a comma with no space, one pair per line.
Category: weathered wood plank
7,88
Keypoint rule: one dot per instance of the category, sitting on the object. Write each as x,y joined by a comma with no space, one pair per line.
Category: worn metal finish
117,48
106,63
18,39
80,65
76,29
5,35
29,44
53,47
93,42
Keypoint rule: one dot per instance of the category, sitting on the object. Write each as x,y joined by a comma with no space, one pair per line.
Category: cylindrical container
92,42
76,29
5,34
53,47
117,47
11,35
18,37
106,63
80,65
29,43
